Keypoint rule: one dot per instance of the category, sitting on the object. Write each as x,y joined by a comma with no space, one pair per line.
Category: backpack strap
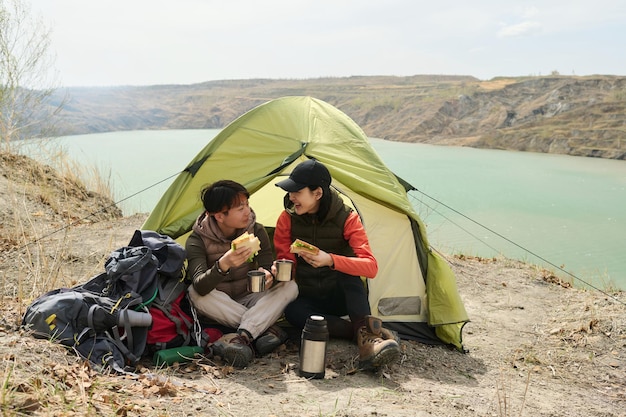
119,342
108,360
133,342
90,314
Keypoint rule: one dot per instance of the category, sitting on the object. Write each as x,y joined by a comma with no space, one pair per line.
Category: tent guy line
508,240
452,221
115,204
93,213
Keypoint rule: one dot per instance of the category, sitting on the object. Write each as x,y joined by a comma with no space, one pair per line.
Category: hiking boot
219,346
234,349
377,345
270,340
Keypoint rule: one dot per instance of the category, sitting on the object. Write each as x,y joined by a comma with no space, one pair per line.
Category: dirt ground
536,346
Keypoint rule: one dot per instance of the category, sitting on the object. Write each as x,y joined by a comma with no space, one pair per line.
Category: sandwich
299,246
247,240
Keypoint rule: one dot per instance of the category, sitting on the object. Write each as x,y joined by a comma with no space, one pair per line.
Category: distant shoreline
573,115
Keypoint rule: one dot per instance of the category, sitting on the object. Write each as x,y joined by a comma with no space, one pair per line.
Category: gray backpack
106,320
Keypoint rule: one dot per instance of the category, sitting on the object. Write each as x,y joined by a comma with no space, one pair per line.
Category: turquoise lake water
569,211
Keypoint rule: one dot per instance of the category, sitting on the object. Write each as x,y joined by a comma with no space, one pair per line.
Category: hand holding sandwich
242,249
237,257
234,258
317,261
311,254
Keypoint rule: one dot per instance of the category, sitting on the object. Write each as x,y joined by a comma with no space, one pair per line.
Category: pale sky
148,42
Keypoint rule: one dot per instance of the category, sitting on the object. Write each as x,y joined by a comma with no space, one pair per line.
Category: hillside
536,346
583,116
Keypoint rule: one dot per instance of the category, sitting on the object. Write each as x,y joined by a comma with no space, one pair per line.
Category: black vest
326,234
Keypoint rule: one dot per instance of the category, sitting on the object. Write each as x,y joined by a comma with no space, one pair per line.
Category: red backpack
171,326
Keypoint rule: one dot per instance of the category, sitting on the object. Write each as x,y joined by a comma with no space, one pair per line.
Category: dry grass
37,203
506,404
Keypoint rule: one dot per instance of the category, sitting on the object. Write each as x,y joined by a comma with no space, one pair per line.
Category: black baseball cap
308,173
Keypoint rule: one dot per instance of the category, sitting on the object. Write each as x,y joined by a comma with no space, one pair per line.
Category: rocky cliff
582,116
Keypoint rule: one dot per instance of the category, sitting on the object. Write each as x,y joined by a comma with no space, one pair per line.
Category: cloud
520,30
530,12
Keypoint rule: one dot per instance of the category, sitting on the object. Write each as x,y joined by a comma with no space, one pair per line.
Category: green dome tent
415,290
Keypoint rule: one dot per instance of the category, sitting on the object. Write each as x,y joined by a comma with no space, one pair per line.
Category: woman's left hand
317,261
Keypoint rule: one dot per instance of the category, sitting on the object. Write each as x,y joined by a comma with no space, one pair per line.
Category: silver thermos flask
313,348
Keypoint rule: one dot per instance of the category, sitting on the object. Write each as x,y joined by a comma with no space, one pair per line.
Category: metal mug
256,281
283,269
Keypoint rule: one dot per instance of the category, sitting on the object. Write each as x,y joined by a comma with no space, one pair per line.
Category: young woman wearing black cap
329,282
